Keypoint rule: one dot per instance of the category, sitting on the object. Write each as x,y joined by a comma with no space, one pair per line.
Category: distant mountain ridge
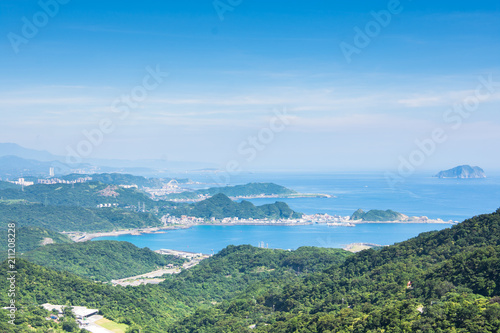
462,172
12,166
12,149
60,163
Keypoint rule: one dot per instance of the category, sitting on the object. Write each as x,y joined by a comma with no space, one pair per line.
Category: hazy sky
360,81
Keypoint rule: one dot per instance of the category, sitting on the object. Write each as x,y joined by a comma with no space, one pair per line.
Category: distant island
463,172
389,216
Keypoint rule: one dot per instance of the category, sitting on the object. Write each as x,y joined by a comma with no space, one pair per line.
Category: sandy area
358,247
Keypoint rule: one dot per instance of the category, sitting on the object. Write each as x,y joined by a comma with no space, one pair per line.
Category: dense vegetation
30,238
154,307
251,189
375,215
62,218
7,185
81,194
149,305
101,260
220,206
454,287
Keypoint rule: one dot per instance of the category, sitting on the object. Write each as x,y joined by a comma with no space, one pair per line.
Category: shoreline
358,247
79,237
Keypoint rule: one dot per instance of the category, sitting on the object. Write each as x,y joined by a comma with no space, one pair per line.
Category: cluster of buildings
325,218
82,313
21,181
306,219
107,205
167,219
128,186
51,181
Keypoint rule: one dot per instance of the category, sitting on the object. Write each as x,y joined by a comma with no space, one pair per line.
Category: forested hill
101,260
80,194
152,308
62,218
454,288
29,238
220,206
248,190
375,215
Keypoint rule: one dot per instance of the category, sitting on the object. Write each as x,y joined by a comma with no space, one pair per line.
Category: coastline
358,247
414,219
78,237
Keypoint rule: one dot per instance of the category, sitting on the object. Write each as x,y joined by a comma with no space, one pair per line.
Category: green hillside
220,206
155,307
454,288
7,185
84,195
454,276
61,218
100,260
375,215
30,238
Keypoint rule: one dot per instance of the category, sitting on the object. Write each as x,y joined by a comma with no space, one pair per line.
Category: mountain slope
61,218
100,260
220,206
454,274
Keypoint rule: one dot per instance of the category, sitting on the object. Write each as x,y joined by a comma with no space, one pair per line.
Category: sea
418,195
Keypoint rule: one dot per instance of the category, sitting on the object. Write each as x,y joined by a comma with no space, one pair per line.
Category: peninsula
390,216
247,191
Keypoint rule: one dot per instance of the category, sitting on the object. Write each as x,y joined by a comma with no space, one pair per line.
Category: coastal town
304,220
330,220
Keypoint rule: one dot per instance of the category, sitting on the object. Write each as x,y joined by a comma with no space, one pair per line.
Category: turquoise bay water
449,199
204,239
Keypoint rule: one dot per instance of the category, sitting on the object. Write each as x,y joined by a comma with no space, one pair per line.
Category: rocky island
463,172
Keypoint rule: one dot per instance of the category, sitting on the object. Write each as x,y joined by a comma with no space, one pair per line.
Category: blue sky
228,77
